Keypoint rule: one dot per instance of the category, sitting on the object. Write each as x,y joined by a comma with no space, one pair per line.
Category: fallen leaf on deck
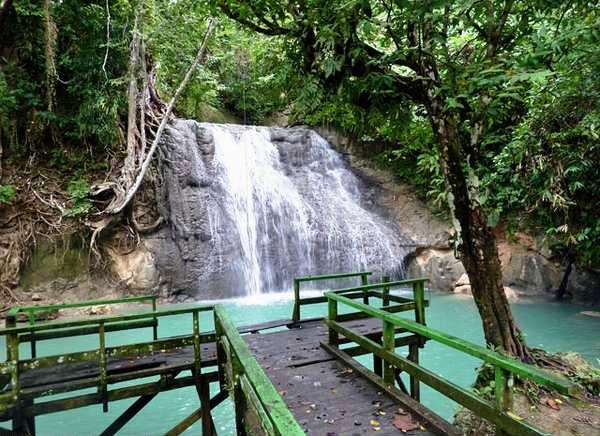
404,423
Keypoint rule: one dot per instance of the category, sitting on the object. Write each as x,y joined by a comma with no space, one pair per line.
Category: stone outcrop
135,270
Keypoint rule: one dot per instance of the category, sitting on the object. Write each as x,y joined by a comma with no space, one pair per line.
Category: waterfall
253,207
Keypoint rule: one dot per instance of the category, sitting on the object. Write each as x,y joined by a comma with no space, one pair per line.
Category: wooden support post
31,317
196,339
401,385
126,416
202,383
364,280
238,395
389,343
386,292
377,362
196,415
221,356
155,326
103,367
413,356
296,310
208,425
332,314
12,354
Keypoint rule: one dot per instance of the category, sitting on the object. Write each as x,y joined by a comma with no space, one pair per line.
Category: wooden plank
329,397
437,424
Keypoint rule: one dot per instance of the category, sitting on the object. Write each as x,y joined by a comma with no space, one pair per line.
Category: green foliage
523,100
7,194
79,191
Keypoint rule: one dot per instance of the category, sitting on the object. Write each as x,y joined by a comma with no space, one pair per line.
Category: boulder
439,265
137,269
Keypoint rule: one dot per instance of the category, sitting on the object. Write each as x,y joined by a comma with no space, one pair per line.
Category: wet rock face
250,208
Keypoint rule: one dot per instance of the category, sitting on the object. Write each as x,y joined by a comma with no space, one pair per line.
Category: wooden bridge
285,377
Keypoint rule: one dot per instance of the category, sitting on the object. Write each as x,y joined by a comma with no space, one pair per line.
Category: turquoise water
550,325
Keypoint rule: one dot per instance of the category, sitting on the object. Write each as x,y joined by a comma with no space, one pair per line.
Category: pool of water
553,326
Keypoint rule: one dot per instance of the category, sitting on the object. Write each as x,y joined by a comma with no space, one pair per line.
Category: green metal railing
250,384
14,365
299,302
505,367
30,311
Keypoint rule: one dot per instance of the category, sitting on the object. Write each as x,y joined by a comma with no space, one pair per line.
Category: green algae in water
553,326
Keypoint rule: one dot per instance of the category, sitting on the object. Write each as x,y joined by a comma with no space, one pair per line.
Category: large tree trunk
476,242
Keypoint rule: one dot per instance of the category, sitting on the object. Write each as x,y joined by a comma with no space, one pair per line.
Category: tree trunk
562,289
475,240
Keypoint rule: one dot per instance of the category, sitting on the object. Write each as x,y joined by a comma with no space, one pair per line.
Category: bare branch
107,40
165,119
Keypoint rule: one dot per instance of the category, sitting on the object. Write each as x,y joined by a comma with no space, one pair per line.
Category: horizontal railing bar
83,304
332,276
462,396
354,294
518,368
393,284
67,333
105,319
403,307
116,351
281,417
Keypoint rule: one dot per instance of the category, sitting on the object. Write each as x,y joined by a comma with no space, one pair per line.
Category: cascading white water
289,205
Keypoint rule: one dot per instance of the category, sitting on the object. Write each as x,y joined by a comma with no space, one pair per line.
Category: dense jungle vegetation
489,108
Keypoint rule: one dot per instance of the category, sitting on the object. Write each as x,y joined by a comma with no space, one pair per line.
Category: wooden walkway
285,378
325,395
329,397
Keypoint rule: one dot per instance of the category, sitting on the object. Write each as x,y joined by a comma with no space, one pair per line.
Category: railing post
332,314
31,317
413,356
196,338
386,291
202,383
155,326
296,310
103,367
419,297
389,344
221,356
364,280
503,384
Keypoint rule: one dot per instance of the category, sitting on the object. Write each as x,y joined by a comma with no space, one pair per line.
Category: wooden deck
329,397
325,395
300,379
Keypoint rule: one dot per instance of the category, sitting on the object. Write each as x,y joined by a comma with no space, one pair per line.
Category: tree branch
140,177
270,31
